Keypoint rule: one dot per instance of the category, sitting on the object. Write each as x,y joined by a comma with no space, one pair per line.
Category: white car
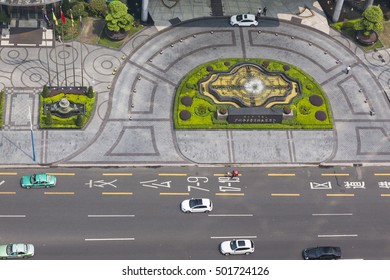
237,247
16,251
196,205
243,20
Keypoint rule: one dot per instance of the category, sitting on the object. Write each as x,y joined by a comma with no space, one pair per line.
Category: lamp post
32,132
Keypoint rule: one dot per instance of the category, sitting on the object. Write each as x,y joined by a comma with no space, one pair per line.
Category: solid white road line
110,216
233,237
12,216
109,239
337,235
231,215
333,214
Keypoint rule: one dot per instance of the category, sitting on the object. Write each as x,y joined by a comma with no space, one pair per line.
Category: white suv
195,205
243,20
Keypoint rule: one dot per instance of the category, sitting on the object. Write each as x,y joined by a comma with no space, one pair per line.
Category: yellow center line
61,174
117,174
385,194
230,194
381,174
334,174
285,194
67,193
8,173
117,193
174,193
172,174
7,192
339,194
281,174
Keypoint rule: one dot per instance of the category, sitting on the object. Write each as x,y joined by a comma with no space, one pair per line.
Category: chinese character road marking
101,183
384,185
354,185
166,184
2,182
319,186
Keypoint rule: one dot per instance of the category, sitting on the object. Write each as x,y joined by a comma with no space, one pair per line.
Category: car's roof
326,250
243,243
40,177
249,16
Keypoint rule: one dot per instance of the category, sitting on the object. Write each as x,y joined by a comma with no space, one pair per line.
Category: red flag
63,17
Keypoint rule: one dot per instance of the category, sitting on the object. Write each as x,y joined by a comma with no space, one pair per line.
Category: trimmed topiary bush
45,91
372,19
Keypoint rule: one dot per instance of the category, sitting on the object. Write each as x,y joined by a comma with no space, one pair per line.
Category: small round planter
115,36
366,40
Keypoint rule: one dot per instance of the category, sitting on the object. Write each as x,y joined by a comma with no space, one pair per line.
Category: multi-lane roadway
133,213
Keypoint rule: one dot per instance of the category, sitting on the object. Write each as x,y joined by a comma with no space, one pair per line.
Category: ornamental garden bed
66,107
193,109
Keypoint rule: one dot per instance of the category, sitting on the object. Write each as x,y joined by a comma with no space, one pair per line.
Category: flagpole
81,54
55,45
47,52
74,74
63,45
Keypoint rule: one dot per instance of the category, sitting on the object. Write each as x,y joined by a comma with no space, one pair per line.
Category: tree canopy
117,17
372,19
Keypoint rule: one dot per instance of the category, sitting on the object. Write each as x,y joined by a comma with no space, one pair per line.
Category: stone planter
115,36
288,116
366,40
222,114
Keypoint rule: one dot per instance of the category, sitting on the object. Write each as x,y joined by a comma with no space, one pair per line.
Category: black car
322,253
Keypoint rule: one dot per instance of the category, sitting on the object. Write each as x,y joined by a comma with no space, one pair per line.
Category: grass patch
346,28
107,42
66,123
203,109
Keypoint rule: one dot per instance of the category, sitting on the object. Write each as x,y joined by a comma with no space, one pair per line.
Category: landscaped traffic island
250,94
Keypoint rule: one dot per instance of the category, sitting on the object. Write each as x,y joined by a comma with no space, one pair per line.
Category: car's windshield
233,245
195,202
9,249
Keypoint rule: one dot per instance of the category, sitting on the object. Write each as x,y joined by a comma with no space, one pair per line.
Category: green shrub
89,92
97,8
79,120
45,91
48,119
305,110
372,19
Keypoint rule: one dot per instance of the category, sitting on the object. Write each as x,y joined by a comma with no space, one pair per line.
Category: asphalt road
134,213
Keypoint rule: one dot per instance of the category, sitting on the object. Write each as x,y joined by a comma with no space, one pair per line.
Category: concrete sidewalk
132,122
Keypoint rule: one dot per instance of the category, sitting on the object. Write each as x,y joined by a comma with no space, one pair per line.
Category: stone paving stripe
172,174
117,174
67,193
381,174
339,194
281,175
117,193
8,173
285,194
7,192
173,193
62,174
334,174
230,194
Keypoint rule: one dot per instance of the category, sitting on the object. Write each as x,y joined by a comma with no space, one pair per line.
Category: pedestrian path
306,12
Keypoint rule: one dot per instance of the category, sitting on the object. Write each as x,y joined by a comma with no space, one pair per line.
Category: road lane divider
117,193
110,239
234,237
172,174
285,194
381,174
60,193
337,235
174,193
340,194
385,194
12,216
230,215
281,174
111,216
335,174
230,194
333,214
117,174
8,173
224,175
7,193
61,174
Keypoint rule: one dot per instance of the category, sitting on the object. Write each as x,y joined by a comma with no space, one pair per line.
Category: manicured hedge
302,119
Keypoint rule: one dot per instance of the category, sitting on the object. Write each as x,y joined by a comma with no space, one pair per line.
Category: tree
372,19
79,120
89,92
49,119
45,91
117,17
97,7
